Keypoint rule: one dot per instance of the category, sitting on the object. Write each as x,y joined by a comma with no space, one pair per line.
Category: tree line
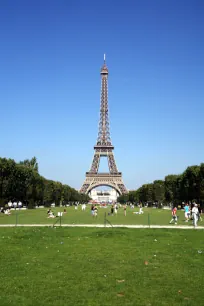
175,189
22,182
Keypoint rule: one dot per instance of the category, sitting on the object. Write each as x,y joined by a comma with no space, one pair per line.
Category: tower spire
104,130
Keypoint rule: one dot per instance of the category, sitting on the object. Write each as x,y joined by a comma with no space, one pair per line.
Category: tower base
100,179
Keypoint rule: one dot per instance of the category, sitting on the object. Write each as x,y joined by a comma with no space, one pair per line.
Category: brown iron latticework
104,148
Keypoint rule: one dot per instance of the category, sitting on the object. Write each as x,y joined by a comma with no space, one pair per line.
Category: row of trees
186,187
22,182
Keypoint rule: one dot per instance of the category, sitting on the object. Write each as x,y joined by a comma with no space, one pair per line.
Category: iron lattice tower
103,147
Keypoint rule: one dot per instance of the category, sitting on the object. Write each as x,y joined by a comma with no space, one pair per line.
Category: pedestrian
200,213
95,211
83,206
92,210
186,212
141,210
174,216
195,214
189,212
125,210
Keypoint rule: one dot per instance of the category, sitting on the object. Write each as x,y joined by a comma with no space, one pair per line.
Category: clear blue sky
50,58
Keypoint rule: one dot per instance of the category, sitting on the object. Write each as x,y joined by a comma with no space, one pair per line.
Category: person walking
195,215
115,209
200,213
141,210
125,210
83,206
95,211
92,210
174,216
189,212
186,212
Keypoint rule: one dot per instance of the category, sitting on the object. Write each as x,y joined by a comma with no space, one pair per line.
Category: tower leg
112,163
84,188
95,163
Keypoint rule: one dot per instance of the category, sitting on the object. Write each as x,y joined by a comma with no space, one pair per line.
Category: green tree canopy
22,182
188,186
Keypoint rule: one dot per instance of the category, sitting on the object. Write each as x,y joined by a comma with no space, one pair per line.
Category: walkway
102,225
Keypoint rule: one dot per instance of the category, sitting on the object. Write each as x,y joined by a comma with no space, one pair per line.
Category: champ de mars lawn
39,216
101,267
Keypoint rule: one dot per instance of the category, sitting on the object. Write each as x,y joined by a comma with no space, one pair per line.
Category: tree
170,184
30,163
66,194
150,192
124,198
48,197
201,180
7,167
57,193
133,196
158,191
22,182
191,184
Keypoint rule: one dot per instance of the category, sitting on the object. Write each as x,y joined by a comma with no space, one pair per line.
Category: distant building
104,195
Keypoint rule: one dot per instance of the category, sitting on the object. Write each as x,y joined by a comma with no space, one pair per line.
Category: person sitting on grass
50,214
140,212
7,212
174,216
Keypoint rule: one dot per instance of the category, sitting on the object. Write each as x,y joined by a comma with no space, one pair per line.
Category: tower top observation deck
104,68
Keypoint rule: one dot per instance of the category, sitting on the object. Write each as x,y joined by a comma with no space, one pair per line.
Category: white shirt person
195,214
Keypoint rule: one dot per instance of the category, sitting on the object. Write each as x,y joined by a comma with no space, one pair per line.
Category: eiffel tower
103,147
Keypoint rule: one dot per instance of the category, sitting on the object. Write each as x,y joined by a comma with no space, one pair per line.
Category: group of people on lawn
52,215
193,214
114,209
190,213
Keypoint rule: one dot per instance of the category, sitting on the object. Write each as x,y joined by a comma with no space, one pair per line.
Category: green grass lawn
92,267
39,216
